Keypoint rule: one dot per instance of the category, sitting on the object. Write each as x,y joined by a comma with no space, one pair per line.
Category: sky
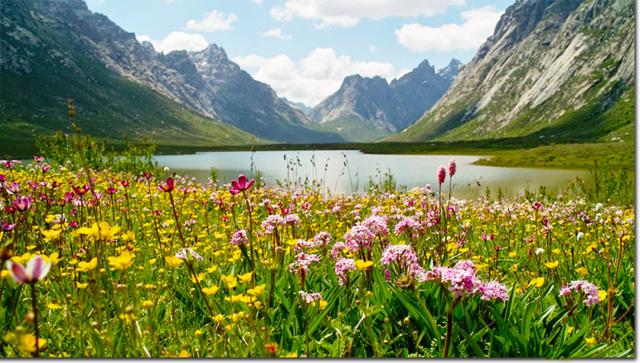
305,48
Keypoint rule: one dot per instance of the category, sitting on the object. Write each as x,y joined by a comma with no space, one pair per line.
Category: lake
349,170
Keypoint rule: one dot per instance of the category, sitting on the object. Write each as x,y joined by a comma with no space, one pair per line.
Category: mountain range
367,108
559,69
553,69
58,49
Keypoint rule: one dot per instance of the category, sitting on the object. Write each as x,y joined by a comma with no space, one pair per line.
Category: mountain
365,109
558,69
49,52
62,46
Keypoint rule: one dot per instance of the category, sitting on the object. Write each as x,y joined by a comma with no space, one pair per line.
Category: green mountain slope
552,69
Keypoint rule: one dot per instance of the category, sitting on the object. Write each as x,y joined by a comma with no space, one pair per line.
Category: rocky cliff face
207,81
372,104
54,50
546,60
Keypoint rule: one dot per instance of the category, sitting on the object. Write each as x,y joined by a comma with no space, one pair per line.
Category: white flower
539,251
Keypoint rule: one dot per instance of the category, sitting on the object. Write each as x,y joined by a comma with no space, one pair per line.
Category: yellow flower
582,271
88,266
569,329
152,261
102,231
552,265
602,294
81,285
257,291
218,318
212,269
4,274
184,354
245,277
53,306
50,234
323,304
363,265
230,281
121,262
514,267
537,282
147,304
173,261
28,343
198,333
513,254
210,290
590,340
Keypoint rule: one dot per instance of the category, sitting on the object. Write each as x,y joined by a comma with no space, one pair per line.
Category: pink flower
359,237
584,287
184,253
239,238
22,203
168,186
493,290
442,174
343,266
377,225
309,297
452,168
240,185
37,269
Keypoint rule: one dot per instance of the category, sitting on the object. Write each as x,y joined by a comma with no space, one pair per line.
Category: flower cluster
309,298
585,287
462,280
302,262
239,238
342,268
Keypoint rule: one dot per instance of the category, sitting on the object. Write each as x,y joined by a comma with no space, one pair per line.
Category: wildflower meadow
146,263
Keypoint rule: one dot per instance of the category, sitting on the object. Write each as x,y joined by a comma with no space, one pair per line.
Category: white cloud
212,22
348,13
276,33
177,41
312,78
478,25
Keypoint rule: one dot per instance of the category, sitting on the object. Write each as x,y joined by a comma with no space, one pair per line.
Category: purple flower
377,225
22,203
292,219
184,253
359,237
342,268
493,290
585,287
302,262
407,225
322,239
272,222
309,297
239,238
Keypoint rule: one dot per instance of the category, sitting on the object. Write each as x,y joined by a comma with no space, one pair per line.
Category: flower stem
34,305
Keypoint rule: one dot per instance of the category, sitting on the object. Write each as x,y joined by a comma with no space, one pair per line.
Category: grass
116,287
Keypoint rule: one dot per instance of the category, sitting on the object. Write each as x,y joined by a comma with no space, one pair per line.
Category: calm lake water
349,170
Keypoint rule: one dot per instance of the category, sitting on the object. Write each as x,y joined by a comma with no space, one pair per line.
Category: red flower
240,185
442,174
168,186
80,191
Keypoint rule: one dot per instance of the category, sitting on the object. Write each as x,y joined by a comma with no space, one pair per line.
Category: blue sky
304,48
